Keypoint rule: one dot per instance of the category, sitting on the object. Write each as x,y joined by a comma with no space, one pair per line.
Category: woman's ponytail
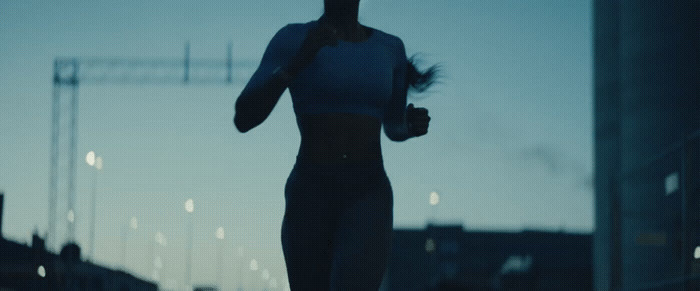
417,80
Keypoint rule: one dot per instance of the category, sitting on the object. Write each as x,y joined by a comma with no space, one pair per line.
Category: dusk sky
509,145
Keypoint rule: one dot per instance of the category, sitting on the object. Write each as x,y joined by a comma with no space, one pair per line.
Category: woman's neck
346,24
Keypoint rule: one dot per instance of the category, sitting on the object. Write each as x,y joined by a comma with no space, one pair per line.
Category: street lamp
220,237
159,241
134,225
433,200
253,267
189,207
93,161
239,267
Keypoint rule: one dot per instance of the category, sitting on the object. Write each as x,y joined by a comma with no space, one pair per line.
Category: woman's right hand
417,119
318,36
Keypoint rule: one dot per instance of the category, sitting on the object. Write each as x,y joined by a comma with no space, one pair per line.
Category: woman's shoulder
291,34
387,39
297,28
392,42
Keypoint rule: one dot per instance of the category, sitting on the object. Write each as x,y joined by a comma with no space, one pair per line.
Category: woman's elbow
393,135
240,118
397,138
241,126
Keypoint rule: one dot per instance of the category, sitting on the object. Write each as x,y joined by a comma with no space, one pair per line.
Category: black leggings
337,227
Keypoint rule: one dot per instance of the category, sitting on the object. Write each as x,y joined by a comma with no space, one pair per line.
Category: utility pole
69,73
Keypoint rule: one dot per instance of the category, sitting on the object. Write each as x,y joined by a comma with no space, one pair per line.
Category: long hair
419,80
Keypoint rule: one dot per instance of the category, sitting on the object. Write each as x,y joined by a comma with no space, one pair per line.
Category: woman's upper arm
276,54
260,96
395,114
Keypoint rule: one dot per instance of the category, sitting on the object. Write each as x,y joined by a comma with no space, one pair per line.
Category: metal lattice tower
69,73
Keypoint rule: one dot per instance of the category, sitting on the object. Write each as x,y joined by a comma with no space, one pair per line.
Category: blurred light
430,245
273,283
189,205
134,223
98,163
697,252
41,271
516,264
253,265
160,239
158,263
90,158
240,251
220,232
434,198
265,274
671,183
71,216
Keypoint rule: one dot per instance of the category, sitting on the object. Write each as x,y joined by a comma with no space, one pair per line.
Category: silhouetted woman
346,80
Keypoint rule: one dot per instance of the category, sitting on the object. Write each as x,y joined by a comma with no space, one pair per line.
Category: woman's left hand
417,119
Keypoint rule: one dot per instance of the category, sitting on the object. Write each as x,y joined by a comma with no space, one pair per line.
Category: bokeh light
134,223
189,205
160,239
253,265
41,271
434,198
90,158
71,216
98,163
220,233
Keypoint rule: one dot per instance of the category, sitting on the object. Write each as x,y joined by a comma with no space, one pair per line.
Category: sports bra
367,77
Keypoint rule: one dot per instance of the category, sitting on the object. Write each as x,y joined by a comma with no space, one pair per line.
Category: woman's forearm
398,131
255,104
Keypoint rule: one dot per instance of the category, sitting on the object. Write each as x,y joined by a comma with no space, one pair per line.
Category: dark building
24,267
647,144
448,258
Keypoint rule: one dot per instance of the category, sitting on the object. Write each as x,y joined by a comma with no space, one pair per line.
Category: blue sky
509,145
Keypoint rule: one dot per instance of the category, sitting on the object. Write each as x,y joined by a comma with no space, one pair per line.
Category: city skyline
509,147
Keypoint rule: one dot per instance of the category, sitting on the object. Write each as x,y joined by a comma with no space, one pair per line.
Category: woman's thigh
308,228
363,237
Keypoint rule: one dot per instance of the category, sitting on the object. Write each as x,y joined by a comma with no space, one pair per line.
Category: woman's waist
315,152
339,138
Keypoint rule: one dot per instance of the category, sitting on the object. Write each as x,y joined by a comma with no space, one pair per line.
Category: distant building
647,144
448,258
32,267
25,267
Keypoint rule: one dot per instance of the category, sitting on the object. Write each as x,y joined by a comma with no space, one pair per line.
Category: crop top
365,77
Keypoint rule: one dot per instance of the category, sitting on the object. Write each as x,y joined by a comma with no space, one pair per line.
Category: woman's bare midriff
339,138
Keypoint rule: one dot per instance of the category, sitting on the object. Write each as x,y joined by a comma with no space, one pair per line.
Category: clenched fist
417,119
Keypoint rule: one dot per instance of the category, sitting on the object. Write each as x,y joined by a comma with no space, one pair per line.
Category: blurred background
116,138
